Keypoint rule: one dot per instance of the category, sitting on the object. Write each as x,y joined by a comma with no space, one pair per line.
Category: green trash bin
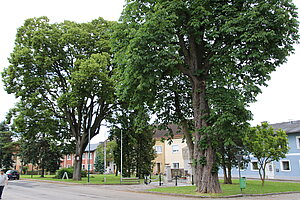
243,182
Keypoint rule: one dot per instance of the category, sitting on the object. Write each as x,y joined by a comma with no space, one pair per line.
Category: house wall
276,170
160,158
68,161
172,156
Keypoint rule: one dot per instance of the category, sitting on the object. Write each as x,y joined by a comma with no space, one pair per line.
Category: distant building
68,160
286,168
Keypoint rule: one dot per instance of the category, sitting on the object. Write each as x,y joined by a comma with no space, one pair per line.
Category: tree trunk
229,178
78,160
206,171
225,174
43,172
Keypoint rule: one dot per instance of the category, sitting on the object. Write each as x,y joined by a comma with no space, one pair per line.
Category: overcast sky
279,101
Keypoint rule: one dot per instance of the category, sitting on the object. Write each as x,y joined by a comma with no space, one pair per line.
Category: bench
130,180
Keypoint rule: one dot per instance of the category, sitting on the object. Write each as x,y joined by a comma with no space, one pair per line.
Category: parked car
13,175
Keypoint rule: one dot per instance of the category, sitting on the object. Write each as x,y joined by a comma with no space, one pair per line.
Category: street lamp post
121,156
89,154
89,141
105,158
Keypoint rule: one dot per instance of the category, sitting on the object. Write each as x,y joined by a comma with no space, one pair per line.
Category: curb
230,196
167,194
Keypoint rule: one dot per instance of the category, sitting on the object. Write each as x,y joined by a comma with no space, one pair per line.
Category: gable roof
92,148
165,132
288,127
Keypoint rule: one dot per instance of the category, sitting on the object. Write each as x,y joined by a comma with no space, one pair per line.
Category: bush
60,173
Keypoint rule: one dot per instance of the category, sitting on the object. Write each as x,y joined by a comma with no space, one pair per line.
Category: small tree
267,145
99,161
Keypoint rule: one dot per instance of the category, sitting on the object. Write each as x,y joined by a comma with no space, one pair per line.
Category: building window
158,149
175,148
90,156
69,166
254,166
83,167
285,165
83,156
68,157
298,142
175,165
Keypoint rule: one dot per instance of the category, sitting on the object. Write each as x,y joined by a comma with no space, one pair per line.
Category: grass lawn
94,179
253,187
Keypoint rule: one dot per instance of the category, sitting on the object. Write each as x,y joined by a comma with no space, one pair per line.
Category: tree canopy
66,68
267,145
212,49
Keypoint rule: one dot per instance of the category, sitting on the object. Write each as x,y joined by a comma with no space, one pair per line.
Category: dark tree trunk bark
43,172
78,160
228,178
197,69
206,171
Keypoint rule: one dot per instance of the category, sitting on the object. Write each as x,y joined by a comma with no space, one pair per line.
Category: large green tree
267,145
214,47
66,67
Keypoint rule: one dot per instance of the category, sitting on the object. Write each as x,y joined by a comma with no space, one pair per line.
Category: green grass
94,179
253,187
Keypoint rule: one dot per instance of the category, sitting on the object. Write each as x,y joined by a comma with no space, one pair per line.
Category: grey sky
278,102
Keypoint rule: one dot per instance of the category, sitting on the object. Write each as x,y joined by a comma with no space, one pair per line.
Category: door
158,168
270,171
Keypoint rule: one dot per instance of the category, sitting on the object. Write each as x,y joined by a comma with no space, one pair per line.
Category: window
176,165
298,142
68,157
83,156
69,166
285,165
158,149
254,166
175,148
90,156
83,167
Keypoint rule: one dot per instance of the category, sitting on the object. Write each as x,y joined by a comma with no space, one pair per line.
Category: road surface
33,190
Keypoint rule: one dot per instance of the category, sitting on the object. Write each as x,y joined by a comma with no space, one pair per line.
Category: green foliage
64,69
41,136
213,49
99,161
202,161
137,140
267,145
60,173
7,146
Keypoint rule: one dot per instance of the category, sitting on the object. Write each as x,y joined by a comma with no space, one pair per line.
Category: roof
92,148
165,132
288,127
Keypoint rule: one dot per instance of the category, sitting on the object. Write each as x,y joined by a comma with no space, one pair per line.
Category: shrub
60,173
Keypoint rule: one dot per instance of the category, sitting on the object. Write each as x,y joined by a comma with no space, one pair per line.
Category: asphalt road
32,190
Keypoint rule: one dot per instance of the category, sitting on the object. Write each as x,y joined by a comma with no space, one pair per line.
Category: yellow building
171,154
